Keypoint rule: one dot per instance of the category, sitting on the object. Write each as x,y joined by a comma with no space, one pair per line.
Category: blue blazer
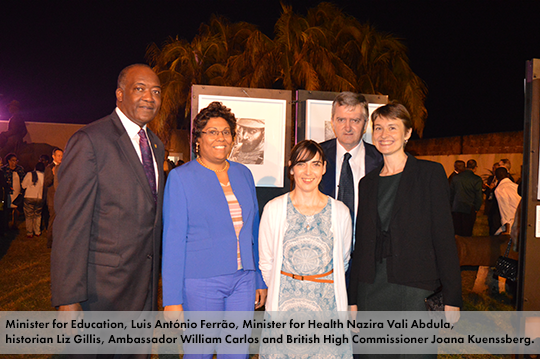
328,183
199,240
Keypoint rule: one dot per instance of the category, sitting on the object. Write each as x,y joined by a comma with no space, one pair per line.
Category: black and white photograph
248,147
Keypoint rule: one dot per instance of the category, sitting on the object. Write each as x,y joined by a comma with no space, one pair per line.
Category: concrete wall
485,162
55,134
502,142
486,149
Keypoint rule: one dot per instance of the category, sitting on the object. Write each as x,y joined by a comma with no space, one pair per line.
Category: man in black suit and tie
107,231
348,157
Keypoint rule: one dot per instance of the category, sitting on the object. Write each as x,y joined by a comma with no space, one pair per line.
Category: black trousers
464,223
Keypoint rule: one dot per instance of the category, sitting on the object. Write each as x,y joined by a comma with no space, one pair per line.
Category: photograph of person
248,147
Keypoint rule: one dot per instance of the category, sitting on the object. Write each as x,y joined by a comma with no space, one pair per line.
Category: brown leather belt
311,278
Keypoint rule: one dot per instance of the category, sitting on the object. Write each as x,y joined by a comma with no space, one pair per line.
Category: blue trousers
226,294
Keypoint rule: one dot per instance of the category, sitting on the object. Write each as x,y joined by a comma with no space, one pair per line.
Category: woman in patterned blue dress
304,245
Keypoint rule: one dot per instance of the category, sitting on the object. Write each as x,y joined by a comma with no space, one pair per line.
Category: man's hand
260,297
67,313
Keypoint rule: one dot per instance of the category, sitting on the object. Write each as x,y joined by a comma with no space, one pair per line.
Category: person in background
508,199
491,207
45,159
13,175
168,165
405,245
50,185
459,166
5,202
466,199
33,200
505,162
211,228
13,137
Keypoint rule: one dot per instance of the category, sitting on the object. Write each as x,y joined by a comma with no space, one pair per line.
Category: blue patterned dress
308,247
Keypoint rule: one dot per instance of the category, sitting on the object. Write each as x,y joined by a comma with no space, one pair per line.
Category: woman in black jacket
405,246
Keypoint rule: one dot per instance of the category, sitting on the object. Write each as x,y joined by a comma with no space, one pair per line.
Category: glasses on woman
215,133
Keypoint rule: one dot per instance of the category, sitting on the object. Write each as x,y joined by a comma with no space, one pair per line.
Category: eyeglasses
215,133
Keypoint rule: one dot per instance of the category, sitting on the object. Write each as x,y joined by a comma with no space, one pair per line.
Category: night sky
61,59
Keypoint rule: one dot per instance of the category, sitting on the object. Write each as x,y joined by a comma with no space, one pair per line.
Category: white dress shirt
132,130
508,200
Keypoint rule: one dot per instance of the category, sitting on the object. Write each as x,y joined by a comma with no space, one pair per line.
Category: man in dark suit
50,183
107,232
349,119
466,199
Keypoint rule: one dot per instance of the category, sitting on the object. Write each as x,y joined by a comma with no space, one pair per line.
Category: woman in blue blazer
211,224
405,246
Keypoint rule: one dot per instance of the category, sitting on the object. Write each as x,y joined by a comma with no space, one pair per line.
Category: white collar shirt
508,200
132,130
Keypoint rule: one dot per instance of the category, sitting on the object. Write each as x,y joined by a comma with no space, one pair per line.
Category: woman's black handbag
507,267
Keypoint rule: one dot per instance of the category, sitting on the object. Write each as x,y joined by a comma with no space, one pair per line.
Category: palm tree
325,50
180,64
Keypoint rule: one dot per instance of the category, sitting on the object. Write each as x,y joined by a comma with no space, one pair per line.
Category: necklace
211,169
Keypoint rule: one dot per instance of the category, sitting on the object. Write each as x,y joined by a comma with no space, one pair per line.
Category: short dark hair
393,110
213,110
122,76
40,166
501,173
472,164
459,165
57,149
304,151
9,156
351,99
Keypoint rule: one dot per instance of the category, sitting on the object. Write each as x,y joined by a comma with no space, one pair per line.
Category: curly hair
214,109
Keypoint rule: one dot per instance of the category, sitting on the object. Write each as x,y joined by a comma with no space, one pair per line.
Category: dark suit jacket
466,192
107,232
424,253
49,185
328,183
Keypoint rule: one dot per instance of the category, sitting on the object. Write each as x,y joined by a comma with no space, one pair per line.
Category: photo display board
263,124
